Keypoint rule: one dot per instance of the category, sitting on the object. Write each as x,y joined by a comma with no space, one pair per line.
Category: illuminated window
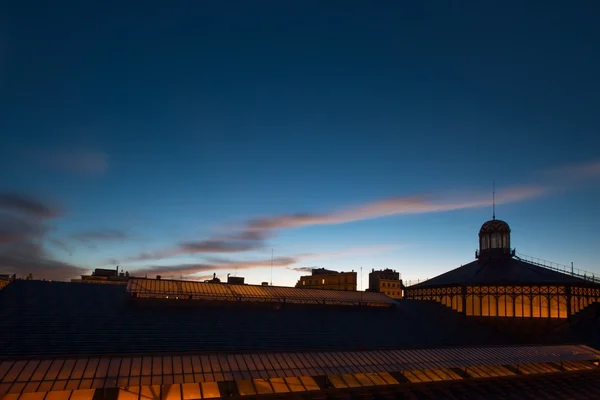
323,281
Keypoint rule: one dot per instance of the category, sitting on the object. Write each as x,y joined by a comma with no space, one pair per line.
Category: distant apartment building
322,278
386,281
107,276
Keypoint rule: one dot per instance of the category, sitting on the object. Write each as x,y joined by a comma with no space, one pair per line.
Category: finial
494,200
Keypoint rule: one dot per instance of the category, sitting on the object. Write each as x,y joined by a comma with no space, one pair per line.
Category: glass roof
159,288
276,370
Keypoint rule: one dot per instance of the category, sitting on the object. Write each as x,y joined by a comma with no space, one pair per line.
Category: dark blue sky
155,125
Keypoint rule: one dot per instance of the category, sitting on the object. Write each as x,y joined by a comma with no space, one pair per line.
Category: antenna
272,267
494,200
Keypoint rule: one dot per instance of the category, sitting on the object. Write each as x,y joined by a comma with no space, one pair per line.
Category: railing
411,282
565,269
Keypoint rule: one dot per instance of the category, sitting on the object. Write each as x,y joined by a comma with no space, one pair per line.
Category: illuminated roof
197,376
501,271
153,288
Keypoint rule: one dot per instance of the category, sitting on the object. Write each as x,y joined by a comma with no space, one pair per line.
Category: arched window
505,306
554,307
519,300
488,306
545,307
537,306
562,306
473,305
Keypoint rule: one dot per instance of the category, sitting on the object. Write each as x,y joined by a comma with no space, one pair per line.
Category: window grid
77,374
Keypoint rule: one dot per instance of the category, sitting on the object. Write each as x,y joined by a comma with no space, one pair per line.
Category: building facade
322,278
386,281
501,284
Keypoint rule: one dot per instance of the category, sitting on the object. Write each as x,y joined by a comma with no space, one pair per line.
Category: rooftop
103,319
506,270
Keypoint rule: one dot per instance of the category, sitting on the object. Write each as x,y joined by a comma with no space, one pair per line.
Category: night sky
190,137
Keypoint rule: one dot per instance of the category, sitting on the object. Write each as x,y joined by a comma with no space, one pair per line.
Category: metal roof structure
262,373
501,271
159,288
102,319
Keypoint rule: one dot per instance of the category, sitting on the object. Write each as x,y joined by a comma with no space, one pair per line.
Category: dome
494,226
494,238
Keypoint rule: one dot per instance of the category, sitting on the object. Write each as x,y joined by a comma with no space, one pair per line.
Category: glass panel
337,381
309,383
477,305
519,306
53,371
64,395
41,370
545,306
294,384
245,388
27,371
191,391
82,394
562,306
279,385
537,306
485,305
171,392
526,306
210,390
502,300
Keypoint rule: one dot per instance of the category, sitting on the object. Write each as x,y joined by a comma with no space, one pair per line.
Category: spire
494,200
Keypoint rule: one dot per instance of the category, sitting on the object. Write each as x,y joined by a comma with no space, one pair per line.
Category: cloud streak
99,235
14,202
78,162
392,206
22,239
214,266
235,243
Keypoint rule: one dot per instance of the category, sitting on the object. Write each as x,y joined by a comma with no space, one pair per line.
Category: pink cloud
395,206
580,171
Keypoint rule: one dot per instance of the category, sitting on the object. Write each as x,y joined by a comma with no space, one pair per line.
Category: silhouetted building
499,283
386,281
322,278
214,279
107,276
235,280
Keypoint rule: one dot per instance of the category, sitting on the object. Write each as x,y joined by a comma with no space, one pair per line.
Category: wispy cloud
22,239
581,171
220,265
252,234
303,269
215,264
80,162
16,229
235,243
15,202
99,235
393,206
60,244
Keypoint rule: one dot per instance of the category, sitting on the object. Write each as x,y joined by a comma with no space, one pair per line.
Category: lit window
323,281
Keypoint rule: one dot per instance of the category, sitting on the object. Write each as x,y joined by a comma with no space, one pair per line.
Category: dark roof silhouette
58,318
505,270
